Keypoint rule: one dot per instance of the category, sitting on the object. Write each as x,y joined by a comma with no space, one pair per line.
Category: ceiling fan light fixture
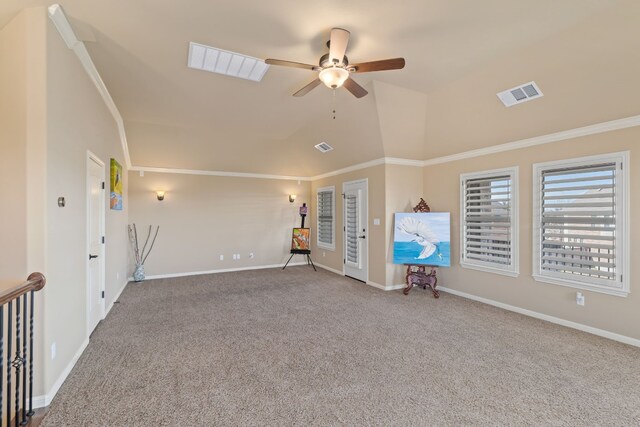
333,77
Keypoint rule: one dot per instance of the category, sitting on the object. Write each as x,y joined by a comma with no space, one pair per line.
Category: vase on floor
138,273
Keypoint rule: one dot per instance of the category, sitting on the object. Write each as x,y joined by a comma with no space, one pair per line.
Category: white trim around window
489,221
581,223
326,217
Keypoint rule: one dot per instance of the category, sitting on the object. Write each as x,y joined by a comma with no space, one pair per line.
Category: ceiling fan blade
382,65
291,64
338,45
305,90
353,87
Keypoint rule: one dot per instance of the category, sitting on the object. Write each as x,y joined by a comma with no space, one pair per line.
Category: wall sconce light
292,198
160,195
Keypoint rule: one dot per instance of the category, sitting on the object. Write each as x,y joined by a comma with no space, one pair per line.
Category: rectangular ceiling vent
220,61
324,147
520,94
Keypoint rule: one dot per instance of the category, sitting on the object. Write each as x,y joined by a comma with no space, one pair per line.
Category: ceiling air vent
324,147
220,61
520,94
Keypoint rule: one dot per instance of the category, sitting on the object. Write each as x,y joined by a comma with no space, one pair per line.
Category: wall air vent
520,94
324,147
220,61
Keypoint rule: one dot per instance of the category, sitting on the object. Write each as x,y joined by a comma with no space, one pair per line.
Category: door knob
362,237
92,256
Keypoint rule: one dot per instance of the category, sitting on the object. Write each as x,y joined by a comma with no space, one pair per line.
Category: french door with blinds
580,230
355,230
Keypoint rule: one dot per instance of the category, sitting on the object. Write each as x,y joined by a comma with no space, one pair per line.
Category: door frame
93,158
365,220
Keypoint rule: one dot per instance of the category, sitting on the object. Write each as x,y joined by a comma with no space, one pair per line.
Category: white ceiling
183,118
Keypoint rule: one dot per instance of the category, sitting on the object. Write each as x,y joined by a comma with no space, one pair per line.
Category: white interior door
355,230
95,243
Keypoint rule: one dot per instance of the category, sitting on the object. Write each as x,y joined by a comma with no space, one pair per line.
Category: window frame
331,189
621,208
513,269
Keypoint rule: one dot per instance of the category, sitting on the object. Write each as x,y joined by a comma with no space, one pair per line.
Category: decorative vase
138,273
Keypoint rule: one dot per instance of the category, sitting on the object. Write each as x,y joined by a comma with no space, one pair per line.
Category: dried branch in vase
141,256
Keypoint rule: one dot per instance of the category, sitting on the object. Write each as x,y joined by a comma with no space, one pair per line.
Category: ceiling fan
334,68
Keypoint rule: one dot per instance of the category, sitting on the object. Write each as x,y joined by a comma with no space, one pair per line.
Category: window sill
487,269
582,286
326,247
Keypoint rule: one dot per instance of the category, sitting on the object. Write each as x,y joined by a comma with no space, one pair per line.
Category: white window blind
489,221
326,217
579,238
351,229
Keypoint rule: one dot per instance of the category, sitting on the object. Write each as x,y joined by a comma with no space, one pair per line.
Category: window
489,221
326,218
579,231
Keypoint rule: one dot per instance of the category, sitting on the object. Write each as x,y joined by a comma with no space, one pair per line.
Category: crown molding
59,18
348,169
217,173
371,163
540,140
403,162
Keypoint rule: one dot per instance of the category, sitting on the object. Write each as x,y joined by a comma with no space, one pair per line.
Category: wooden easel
417,274
305,252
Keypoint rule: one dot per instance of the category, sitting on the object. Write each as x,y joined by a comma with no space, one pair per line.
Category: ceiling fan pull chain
334,104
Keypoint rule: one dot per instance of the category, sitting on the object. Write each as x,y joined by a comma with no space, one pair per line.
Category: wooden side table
417,276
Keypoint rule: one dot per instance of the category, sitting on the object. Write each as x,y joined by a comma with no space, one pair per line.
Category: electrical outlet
221,257
53,351
237,256
324,253
376,221
579,298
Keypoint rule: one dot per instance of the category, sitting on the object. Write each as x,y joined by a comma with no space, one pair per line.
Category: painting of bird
421,234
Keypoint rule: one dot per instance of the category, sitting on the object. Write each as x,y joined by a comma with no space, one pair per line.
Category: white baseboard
376,285
569,324
43,401
333,270
369,282
385,288
115,298
221,270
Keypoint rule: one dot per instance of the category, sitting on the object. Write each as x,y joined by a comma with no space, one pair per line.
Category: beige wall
610,313
77,120
22,164
404,187
13,143
376,233
203,217
50,115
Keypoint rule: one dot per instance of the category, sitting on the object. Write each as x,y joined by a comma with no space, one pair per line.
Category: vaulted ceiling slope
459,55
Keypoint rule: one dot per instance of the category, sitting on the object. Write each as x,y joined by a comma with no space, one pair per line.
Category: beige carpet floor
298,347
